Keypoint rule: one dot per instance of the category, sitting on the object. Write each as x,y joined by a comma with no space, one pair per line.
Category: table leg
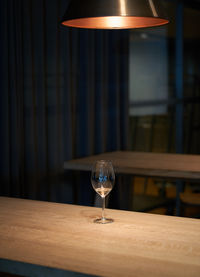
179,189
125,192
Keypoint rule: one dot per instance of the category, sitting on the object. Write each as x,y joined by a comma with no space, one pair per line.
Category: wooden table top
175,166
61,236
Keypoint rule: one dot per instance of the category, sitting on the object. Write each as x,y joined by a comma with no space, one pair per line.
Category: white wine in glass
103,179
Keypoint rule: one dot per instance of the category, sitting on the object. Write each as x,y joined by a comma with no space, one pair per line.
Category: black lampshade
114,14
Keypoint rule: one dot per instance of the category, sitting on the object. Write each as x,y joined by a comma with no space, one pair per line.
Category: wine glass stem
103,208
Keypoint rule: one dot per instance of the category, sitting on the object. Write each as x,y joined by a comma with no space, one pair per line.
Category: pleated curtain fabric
64,94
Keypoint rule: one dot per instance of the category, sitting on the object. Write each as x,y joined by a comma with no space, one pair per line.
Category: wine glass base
103,220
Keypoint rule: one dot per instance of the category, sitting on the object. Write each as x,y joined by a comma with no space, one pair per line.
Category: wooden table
41,239
171,166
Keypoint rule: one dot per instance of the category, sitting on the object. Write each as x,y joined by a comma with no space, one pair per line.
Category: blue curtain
63,94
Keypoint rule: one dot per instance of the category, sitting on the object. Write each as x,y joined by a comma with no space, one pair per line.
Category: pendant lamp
114,14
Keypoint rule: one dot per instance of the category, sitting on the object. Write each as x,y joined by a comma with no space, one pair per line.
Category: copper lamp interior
114,14
115,22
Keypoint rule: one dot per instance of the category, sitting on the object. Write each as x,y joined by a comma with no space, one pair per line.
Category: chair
189,199
145,202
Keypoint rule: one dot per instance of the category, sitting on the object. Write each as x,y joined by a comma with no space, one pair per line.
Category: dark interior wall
64,94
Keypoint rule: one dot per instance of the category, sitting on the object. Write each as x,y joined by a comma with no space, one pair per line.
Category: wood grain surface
176,166
64,237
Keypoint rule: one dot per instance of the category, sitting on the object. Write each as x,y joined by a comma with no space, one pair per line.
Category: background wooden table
171,166
177,167
54,238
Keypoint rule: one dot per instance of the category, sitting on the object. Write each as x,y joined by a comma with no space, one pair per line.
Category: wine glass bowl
102,179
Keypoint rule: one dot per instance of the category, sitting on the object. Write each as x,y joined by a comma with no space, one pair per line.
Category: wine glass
102,179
